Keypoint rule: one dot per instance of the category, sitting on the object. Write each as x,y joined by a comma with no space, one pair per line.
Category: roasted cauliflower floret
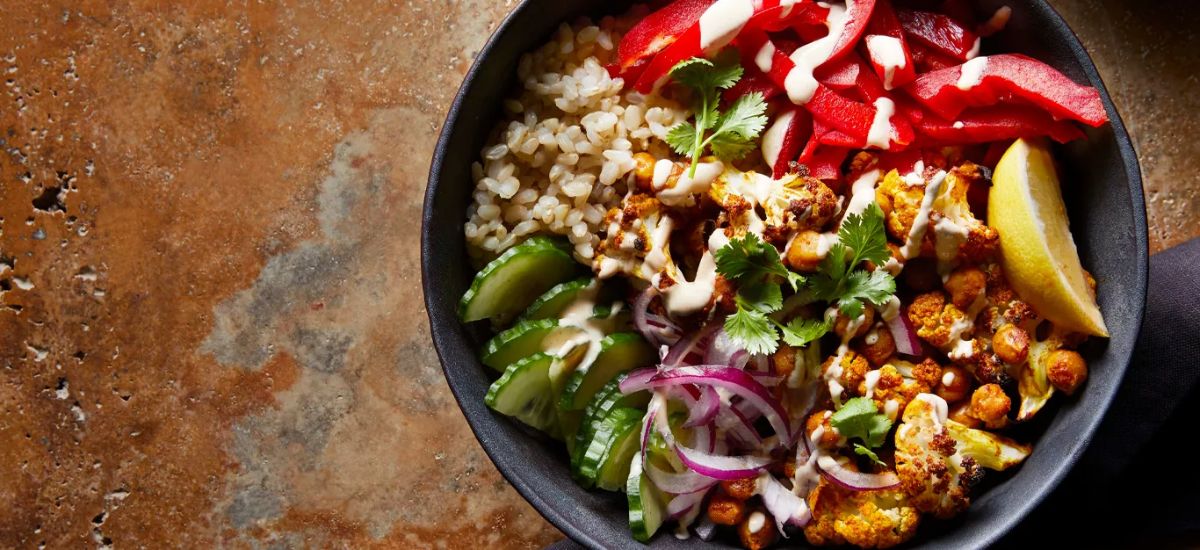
938,459
787,205
895,388
943,325
1050,365
952,233
845,376
867,519
637,240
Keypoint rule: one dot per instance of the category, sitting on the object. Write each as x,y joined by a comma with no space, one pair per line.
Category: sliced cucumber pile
647,505
508,284
618,353
523,392
562,362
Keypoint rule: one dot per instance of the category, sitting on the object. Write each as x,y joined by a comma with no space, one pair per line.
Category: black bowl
1103,189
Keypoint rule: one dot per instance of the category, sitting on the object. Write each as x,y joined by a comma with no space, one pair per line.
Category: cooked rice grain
562,155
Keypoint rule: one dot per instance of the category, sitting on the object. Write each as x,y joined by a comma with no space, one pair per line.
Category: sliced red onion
648,424
835,472
637,380
786,506
692,350
677,483
683,505
656,329
722,351
767,379
704,409
719,466
740,428
735,381
760,364
907,342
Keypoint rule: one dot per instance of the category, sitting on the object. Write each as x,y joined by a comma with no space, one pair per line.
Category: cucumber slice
608,398
618,353
555,301
506,285
647,505
523,392
523,340
605,462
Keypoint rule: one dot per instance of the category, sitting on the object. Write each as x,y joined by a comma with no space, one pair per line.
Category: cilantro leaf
864,451
765,298
801,332
748,260
682,138
732,132
874,287
752,329
735,129
864,234
859,419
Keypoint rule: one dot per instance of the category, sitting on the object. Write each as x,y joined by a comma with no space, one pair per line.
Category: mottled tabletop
211,325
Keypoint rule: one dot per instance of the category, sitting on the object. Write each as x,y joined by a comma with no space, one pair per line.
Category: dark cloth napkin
1138,484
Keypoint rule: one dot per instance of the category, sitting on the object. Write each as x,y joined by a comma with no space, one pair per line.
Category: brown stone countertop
211,327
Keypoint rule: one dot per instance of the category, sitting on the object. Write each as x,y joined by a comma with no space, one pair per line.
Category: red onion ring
832,470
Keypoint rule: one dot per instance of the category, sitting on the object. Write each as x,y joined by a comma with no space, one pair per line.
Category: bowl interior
1103,192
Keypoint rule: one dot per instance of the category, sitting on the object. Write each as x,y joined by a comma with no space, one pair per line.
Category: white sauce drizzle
891,309
890,408
659,235
862,192
940,409
888,53
662,173
917,176
958,124
717,240
591,331
974,51
706,174
912,245
772,140
972,73
787,8
755,522
948,378
880,133
722,21
800,83
870,380
765,58
691,296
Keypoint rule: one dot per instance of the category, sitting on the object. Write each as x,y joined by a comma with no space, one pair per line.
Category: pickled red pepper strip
986,81
986,124
657,31
940,32
887,48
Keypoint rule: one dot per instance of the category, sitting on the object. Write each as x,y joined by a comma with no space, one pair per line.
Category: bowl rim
563,522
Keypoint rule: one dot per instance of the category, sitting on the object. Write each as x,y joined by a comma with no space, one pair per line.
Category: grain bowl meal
780,269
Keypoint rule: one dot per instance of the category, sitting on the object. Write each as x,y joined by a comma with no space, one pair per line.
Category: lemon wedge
1037,252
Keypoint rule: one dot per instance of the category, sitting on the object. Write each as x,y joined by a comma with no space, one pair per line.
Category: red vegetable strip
657,31
753,80
826,164
789,134
858,14
882,52
940,32
926,59
987,124
1006,75
686,46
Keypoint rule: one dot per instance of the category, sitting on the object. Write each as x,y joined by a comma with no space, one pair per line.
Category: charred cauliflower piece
787,205
638,238
867,519
900,383
943,325
952,234
938,459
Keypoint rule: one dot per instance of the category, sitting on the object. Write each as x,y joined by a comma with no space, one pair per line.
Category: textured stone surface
210,323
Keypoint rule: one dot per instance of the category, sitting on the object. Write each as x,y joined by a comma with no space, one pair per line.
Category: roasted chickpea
820,419
784,360
990,404
842,325
1011,344
740,489
726,510
878,345
1066,369
643,170
803,254
757,531
954,385
965,285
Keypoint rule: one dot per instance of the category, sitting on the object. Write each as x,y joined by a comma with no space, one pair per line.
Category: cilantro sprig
860,238
757,269
729,134
859,419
